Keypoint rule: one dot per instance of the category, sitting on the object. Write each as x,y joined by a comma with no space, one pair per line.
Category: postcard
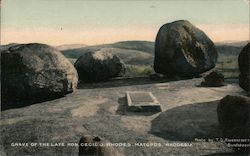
125,78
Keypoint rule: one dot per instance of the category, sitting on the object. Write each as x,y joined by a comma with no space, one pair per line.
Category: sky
90,22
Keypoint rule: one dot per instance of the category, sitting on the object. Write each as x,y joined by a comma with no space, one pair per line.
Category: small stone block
140,101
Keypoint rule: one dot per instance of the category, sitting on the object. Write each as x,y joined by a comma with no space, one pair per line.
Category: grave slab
141,101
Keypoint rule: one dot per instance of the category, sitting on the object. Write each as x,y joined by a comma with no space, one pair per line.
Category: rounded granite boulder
243,60
213,79
183,50
99,66
233,115
34,73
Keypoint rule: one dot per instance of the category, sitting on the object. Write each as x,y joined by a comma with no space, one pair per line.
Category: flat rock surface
188,112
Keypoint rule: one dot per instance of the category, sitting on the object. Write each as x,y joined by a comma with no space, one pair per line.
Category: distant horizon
60,22
87,45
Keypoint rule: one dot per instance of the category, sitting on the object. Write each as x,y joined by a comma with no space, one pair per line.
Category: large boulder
7,46
35,72
213,79
233,115
243,60
99,66
183,50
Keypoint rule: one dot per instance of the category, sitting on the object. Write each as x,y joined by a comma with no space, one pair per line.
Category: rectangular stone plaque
140,101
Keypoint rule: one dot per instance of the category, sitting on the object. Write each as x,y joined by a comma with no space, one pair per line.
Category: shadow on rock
123,81
18,103
185,123
122,109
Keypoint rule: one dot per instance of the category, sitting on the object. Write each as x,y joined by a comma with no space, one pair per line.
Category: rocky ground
188,113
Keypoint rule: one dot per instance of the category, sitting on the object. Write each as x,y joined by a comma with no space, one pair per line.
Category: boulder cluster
34,72
234,111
